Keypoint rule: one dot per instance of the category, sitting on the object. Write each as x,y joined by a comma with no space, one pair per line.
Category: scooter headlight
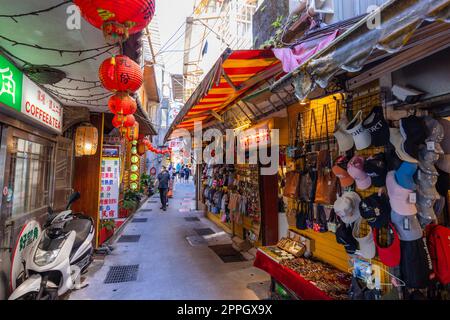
42,257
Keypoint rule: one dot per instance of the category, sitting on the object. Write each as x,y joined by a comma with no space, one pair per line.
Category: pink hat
355,169
399,196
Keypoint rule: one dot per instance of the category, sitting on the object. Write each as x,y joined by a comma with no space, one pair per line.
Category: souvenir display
328,279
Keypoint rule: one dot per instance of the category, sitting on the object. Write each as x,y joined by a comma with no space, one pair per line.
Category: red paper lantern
126,121
122,103
120,73
135,15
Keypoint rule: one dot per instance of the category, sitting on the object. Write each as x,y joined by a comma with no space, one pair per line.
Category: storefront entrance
27,166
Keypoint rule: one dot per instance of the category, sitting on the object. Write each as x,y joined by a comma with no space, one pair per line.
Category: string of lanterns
120,74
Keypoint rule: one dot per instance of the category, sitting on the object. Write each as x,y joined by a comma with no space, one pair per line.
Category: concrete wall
267,13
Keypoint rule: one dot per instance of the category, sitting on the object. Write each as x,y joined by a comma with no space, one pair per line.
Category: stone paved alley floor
169,267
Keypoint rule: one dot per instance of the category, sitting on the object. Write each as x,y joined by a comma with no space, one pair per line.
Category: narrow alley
169,267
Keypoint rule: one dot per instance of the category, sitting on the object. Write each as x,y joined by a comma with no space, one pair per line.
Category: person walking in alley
187,173
178,168
163,186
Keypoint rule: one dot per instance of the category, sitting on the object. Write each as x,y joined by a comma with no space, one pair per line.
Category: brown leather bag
291,190
326,180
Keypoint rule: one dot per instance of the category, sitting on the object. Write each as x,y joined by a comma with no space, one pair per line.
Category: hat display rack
364,103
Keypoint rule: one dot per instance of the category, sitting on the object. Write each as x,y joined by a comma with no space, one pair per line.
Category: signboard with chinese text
18,92
109,188
11,80
40,106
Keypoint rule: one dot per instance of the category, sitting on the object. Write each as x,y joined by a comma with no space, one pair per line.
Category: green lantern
133,186
134,176
134,159
134,167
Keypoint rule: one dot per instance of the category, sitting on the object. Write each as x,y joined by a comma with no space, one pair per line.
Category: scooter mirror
72,198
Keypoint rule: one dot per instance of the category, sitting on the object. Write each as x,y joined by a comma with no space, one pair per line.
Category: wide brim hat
397,140
347,207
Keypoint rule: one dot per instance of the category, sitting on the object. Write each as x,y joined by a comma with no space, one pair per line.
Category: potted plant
107,228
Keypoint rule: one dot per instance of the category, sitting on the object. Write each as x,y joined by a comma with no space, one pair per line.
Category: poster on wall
109,189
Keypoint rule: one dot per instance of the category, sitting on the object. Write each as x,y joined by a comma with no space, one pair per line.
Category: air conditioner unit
321,6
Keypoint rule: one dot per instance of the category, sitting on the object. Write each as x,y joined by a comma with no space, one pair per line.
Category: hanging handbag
301,218
310,215
332,221
326,180
291,216
310,182
291,190
320,221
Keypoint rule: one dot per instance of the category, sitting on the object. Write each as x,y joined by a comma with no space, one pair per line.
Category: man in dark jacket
163,186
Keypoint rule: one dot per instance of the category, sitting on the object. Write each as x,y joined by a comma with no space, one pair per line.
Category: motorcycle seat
82,227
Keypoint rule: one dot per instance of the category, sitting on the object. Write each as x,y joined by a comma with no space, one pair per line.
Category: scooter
61,254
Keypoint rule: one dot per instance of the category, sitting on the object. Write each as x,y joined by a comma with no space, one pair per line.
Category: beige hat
397,140
344,139
347,207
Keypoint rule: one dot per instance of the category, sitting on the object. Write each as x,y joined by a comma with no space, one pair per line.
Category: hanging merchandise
86,140
117,18
120,73
122,103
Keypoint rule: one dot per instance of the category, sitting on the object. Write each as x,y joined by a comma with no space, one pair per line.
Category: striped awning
234,74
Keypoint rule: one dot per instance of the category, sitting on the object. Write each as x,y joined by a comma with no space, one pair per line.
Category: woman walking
182,173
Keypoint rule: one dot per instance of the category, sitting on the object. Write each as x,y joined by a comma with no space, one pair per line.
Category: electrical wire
33,13
60,51
58,65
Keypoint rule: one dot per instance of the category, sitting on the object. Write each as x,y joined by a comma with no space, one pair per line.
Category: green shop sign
11,80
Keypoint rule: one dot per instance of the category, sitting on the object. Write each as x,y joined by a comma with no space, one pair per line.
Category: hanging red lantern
133,132
122,103
133,15
120,73
126,121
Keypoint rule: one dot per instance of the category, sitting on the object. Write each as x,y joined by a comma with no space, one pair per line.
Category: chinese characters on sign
40,106
17,91
260,138
109,190
10,84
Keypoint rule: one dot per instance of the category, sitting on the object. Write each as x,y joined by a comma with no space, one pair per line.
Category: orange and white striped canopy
234,74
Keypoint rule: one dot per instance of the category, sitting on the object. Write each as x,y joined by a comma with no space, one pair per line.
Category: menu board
109,189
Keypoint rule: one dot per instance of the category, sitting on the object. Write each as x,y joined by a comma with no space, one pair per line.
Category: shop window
30,176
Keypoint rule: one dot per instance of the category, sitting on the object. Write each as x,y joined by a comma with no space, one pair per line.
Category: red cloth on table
289,278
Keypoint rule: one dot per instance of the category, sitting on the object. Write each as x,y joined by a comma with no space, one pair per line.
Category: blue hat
404,175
